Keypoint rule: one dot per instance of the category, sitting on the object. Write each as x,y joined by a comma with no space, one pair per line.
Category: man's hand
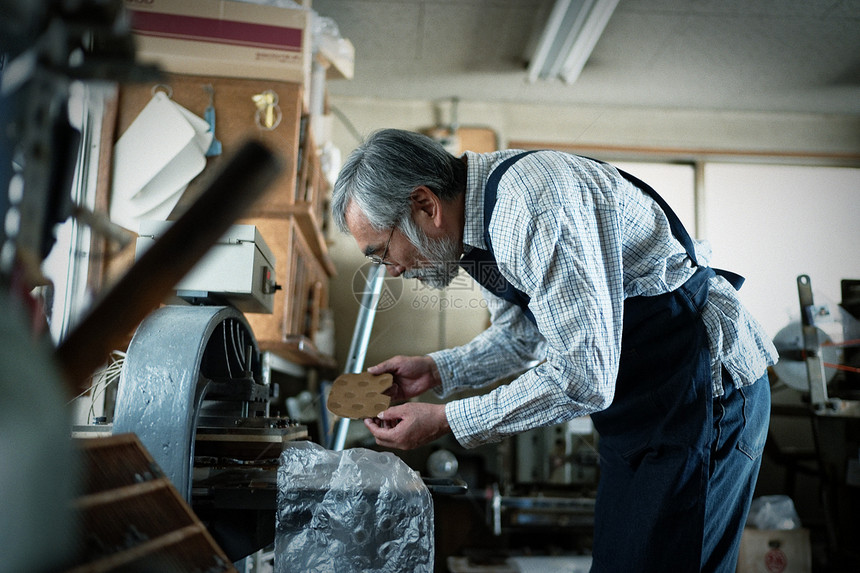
409,425
413,375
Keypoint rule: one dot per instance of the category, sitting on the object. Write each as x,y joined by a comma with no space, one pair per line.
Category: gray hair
381,174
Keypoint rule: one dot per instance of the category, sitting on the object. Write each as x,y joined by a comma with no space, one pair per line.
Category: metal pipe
360,339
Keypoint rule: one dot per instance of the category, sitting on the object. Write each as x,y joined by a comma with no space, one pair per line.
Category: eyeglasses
376,259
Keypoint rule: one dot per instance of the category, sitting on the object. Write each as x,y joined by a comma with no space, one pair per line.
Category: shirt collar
480,166
477,172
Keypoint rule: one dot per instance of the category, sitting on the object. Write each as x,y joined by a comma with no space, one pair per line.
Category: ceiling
749,55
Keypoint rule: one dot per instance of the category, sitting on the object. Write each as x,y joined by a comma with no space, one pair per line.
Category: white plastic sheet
352,511
773,512
162,150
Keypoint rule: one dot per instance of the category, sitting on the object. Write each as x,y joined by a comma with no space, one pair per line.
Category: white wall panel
772,223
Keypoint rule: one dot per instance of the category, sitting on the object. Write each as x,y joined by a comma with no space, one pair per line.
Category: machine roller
193,390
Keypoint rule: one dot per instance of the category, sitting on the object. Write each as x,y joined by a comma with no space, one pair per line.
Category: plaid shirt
578,239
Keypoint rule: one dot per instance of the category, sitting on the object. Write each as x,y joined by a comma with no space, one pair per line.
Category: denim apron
677,465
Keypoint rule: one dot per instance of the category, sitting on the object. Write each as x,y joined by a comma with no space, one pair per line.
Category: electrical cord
101,380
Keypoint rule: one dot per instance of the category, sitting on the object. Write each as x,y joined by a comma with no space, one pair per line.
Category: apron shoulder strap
678,229
481,263
491,190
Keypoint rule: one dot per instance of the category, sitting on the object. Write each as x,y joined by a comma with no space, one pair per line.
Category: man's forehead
369,239
356,220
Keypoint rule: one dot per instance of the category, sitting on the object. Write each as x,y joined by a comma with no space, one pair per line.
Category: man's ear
426,206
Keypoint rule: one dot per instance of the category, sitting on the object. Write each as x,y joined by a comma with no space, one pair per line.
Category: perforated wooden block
359,395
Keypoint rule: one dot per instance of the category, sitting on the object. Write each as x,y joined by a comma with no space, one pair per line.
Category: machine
193,390
194,387
836,431
196,391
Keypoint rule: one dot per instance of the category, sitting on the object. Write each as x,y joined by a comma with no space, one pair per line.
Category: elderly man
589,271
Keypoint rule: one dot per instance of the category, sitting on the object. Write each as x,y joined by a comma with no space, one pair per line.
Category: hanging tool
268,115
812,347
209,116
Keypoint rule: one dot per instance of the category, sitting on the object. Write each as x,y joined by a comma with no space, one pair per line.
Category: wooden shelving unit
309,208
132,518
291,214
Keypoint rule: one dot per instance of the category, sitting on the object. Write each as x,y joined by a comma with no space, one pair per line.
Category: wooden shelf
309,207
133,518
308,224
290,216
301,351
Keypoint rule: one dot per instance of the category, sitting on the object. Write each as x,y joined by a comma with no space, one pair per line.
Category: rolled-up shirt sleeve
510,345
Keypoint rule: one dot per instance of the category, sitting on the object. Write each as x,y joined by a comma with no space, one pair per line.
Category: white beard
440,266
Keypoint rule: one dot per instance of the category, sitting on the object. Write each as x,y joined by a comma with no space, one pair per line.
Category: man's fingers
388,419
378,423
389,365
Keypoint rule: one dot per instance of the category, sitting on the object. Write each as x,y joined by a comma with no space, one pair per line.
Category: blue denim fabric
741,419
678,466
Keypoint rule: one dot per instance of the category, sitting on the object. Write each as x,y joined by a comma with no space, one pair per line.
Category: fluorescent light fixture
570,34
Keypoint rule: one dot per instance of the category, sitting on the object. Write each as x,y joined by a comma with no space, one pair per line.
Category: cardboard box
223,38
775,551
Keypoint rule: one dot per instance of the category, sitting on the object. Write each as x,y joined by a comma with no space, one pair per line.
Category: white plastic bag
352,511
773,512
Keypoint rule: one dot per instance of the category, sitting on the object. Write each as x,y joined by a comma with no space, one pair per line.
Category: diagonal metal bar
360,338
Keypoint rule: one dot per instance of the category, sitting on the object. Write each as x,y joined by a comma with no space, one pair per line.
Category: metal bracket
812,348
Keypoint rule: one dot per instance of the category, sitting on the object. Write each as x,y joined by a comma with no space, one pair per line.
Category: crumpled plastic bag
352,511
773,512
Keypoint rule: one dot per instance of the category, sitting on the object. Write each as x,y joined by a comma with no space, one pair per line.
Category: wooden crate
133,518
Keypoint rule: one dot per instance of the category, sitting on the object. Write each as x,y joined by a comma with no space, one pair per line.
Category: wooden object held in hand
359,395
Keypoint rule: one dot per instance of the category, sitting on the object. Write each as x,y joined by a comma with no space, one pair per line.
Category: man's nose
395,270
